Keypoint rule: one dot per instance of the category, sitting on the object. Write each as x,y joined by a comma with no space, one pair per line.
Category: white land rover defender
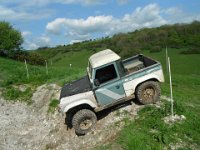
109,81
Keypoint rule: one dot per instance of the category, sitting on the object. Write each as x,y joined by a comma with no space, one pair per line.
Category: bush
35,59
155,49
191,51
129,53
21,55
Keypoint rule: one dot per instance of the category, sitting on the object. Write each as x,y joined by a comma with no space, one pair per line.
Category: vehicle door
109,87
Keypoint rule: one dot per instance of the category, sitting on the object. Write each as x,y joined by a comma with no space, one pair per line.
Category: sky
61,22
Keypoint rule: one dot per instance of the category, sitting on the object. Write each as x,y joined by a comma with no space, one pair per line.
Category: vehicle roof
103,57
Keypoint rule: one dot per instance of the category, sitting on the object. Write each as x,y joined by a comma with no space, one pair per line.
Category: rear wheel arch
141,88
152,79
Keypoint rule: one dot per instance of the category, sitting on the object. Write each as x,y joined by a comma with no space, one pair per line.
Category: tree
10,38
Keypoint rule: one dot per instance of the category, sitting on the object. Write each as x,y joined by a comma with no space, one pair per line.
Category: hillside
148,130
185,36
134,126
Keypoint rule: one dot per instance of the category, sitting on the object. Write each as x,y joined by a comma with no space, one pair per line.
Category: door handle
117,86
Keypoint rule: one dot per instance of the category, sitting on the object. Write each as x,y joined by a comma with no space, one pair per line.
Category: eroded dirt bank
25,126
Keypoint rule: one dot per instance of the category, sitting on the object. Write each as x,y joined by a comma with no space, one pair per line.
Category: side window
106,74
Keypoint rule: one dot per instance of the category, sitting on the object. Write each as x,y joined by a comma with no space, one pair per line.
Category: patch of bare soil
31,127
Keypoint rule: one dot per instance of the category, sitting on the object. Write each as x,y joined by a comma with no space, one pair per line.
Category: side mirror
96,82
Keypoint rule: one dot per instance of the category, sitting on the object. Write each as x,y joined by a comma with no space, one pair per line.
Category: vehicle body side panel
72,101
110,93
130,82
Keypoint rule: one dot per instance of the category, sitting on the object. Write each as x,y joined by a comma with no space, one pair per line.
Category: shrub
21,55
155,49
191,51
129,53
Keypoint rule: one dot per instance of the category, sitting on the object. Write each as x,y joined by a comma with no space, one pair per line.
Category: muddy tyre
148,92
84,121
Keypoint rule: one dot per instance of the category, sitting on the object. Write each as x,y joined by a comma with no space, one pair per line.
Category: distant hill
126,44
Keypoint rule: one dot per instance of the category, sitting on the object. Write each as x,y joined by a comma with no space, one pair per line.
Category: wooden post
167,67
27,72
47,72
170,79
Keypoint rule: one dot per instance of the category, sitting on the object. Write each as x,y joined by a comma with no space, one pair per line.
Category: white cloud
122,2
83,2
177,15
26,33
41,3
12,14
148,16
82,26
43,41
75,41
32,44
80,29
173,11
76,30
7,13
75,35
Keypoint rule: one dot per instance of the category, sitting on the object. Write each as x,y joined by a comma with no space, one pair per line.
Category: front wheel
84,121
148,92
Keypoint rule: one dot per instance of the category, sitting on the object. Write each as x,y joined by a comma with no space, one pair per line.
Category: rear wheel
148,92
84,121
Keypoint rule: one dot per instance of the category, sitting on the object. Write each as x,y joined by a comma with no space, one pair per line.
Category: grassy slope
77,59
13,73
149,131
137,134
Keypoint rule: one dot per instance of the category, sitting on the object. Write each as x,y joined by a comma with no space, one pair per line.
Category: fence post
27,72
170,79
47,72
167,67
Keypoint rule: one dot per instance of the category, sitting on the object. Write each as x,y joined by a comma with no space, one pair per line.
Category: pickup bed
137,63
110,81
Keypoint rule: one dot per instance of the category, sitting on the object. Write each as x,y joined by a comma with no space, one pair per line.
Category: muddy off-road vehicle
109,82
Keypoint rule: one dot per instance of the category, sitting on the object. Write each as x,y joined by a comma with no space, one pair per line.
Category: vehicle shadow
102,114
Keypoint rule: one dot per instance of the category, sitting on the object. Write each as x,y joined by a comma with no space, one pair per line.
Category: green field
148,131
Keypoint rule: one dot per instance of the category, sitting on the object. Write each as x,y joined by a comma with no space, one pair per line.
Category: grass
14,94
14,73
53,105
59,71
149,131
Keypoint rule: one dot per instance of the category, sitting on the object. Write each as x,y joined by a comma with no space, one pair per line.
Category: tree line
178,35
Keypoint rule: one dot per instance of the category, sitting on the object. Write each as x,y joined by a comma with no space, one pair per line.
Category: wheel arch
151,79
141,87
82,104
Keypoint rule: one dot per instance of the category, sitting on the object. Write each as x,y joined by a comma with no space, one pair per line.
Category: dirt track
31,127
